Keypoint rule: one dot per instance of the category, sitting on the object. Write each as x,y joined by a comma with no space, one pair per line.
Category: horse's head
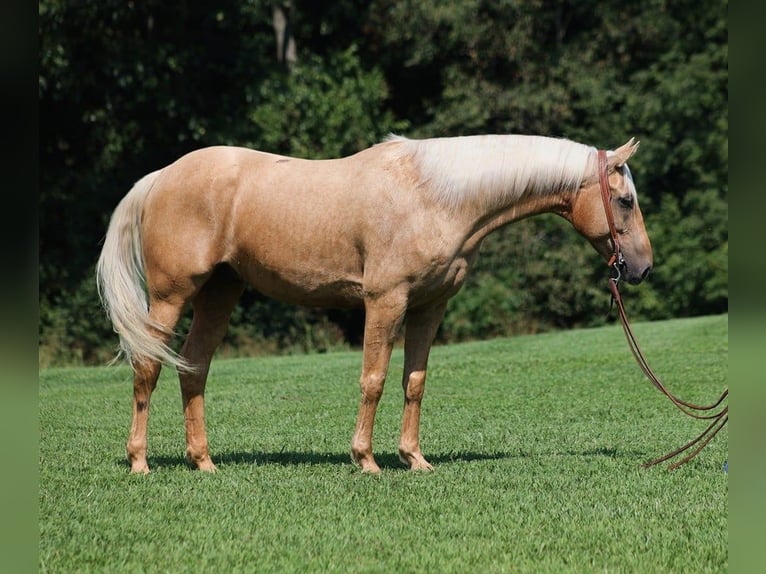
589,216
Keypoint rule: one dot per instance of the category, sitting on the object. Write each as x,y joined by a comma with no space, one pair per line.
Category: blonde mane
497,169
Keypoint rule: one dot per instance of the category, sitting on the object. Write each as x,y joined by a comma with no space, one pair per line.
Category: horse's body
299,230
393,229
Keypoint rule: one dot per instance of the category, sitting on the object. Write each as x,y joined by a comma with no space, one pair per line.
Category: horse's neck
486,182
484,222
486,215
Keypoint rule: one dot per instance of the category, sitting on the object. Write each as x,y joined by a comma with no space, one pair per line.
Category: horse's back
225,173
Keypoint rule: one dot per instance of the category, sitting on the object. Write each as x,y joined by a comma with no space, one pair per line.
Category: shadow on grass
384,460
609,453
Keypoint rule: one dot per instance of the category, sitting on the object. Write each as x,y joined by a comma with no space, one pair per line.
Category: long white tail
120,280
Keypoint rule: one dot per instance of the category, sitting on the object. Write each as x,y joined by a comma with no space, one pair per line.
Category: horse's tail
121,283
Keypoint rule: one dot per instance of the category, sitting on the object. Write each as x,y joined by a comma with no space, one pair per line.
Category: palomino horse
393,229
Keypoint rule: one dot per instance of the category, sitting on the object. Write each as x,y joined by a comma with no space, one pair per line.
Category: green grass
537,443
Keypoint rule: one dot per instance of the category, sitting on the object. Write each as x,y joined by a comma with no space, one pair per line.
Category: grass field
537,443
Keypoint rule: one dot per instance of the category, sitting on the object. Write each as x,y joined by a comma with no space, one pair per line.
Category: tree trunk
286,52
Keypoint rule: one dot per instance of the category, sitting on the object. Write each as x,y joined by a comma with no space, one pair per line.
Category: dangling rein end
702,412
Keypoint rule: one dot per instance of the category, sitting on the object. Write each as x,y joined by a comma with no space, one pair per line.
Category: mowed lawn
537,443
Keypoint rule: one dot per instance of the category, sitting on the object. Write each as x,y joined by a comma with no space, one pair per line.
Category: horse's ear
621,155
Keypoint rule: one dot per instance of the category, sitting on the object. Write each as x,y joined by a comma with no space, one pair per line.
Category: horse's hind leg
146,373
212,309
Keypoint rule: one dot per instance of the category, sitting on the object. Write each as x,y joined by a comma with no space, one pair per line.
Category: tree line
127,87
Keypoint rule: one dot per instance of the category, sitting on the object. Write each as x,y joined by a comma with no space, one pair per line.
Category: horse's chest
442,281
456,274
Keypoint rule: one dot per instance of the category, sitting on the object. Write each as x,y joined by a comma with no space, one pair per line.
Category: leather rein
616,262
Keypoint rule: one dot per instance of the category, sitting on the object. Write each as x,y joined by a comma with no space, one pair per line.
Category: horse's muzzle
636,278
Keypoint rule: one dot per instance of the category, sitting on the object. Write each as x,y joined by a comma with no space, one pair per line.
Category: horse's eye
626,202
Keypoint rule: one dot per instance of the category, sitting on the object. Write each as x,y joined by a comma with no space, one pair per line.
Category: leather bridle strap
606,197
720,418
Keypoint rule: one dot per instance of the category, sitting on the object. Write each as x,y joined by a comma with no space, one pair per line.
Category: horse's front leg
420,332
383,318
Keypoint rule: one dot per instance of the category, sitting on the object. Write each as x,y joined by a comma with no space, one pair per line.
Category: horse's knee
414,385
371,385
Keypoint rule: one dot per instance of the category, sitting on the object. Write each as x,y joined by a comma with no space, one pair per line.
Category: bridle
617,263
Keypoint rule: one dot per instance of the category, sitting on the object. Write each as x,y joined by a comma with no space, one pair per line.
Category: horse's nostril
645,274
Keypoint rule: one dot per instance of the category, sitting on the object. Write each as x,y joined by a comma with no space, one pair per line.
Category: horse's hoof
202,463
416,462
367,463
139,468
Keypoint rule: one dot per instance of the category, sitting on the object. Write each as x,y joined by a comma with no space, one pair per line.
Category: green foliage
262,326
691,255
74,330
537,443
324,108
125,88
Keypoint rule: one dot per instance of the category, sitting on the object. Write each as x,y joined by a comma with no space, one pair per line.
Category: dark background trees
127,87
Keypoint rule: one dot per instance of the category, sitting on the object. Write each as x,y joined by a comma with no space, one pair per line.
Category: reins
702,412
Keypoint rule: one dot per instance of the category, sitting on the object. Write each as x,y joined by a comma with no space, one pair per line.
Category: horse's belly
304,287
